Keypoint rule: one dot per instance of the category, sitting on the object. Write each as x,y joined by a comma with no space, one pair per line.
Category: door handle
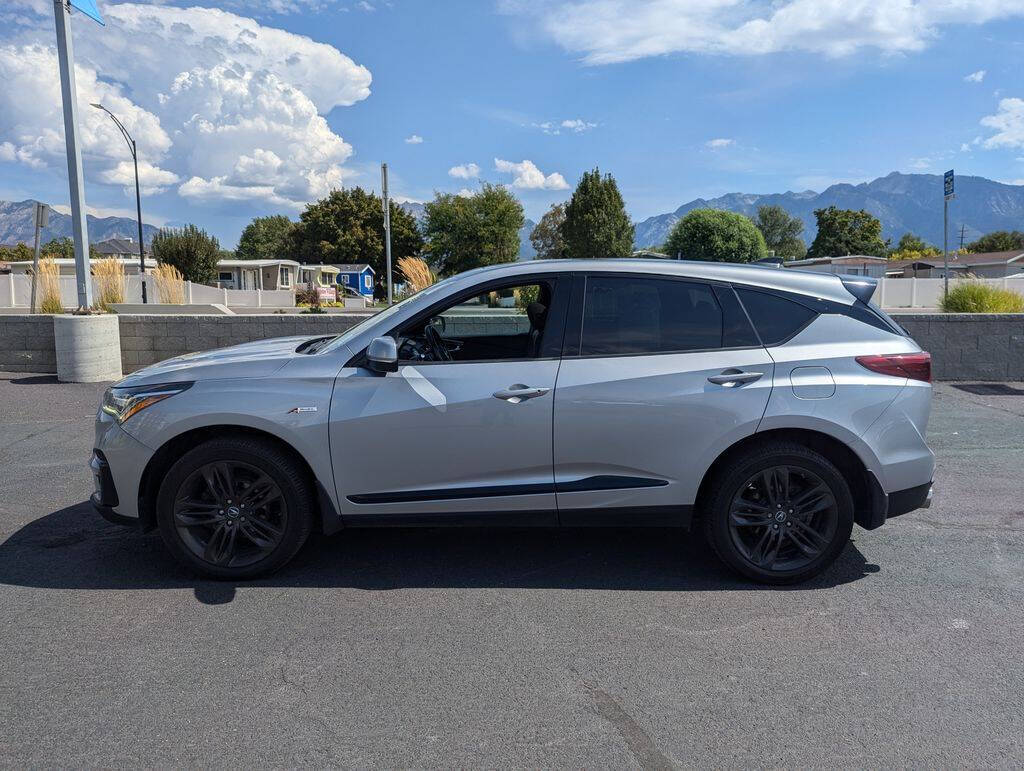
731,378
519,393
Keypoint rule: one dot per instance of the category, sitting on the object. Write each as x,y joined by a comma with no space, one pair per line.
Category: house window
226,275
286,278
366,281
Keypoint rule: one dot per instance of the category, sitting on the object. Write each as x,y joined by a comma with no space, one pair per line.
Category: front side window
505,323
629,315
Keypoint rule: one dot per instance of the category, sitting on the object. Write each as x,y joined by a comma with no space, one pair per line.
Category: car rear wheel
779,514
235,508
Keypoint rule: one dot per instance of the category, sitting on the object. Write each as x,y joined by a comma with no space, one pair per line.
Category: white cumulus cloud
975,77
573,125
464,171
609,31
415,139
527,176
719,143
1008,123
230,108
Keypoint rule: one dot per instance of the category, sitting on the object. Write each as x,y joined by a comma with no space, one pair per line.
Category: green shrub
976,297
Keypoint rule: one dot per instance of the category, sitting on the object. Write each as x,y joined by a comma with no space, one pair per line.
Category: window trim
550,349
574,327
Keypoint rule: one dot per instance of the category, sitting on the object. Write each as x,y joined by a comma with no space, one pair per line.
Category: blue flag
88,7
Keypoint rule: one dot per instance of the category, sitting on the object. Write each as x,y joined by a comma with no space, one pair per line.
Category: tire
235,508
779,513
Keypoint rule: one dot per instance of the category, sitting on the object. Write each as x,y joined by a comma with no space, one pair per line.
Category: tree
265,238
843,232
64,248
716,235
998,241
348,227
781,232
911,247
189,249
18,253
596,223
546,235
465,232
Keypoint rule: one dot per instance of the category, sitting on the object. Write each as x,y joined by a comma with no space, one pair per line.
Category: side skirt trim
603,482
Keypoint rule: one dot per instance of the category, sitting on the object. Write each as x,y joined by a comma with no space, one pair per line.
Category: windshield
385,314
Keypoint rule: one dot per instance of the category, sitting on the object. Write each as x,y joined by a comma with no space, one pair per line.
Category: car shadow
74,549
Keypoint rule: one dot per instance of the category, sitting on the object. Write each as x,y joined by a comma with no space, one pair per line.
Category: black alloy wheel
236,507
230,514
778,513
783,518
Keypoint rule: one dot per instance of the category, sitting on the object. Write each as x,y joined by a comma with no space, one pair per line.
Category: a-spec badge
295,410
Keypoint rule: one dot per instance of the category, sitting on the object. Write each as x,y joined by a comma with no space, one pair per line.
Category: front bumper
118,463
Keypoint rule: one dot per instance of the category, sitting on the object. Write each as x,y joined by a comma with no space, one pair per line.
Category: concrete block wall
26,344
146,340
963,346
970,346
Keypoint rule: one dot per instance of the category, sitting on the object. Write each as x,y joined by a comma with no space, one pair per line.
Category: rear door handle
731,378
519,393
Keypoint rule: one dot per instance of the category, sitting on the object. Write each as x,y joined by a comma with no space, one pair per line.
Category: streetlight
138,197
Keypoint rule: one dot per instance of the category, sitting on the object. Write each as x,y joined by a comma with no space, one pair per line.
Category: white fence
926,292
16,292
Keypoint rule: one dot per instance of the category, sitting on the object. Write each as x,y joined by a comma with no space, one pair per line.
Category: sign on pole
88,7
948,194
42,219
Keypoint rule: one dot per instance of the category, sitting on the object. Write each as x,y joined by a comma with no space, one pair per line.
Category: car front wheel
235,508
779,514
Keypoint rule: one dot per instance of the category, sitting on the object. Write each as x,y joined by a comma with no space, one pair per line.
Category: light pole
138,197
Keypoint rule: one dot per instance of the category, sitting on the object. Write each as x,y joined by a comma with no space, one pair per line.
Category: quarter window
627,315
775,318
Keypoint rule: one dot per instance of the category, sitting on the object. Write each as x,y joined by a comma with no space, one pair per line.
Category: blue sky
247,113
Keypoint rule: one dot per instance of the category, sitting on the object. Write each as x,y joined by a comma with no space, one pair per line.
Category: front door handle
731,378
519,393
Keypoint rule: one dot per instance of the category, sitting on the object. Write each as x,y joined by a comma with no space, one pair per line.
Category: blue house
358,277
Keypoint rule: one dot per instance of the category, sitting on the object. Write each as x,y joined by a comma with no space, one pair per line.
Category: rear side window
775,318
627,315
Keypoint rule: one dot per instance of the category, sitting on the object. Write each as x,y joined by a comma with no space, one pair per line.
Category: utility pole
947,195
69,95
42,219
387,224
962,226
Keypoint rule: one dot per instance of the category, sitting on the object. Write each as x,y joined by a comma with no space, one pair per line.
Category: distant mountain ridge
17,225
902,202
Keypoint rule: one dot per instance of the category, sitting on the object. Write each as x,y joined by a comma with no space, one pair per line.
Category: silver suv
771,408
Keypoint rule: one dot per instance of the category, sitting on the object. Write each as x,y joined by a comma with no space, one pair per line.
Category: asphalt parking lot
431,648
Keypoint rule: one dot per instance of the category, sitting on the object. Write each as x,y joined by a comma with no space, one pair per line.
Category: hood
260,358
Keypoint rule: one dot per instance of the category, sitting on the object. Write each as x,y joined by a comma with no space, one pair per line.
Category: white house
257,274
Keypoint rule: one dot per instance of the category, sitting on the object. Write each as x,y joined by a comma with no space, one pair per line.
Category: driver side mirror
382,354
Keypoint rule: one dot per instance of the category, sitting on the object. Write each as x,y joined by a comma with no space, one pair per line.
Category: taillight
916,366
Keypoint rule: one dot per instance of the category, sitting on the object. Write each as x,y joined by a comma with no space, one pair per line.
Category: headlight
122,403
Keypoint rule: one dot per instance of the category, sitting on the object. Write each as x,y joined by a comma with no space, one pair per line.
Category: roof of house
353,267
844,260
254,263
322,268
118,246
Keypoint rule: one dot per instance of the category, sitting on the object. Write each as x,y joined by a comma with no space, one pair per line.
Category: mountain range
902,202
17,220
